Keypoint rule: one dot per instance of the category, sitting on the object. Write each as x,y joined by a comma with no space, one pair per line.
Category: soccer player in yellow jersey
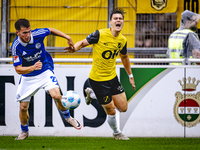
107,44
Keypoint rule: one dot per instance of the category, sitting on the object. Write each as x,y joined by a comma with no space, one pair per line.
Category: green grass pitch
98,143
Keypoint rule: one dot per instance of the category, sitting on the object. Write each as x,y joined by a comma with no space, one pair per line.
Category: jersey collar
24,44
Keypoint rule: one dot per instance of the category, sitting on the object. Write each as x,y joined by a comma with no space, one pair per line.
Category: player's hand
132,83
70,43
38,65
69,50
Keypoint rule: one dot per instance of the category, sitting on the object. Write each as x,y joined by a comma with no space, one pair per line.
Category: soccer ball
71,100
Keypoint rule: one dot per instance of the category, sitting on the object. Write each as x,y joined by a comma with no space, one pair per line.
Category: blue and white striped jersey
27,54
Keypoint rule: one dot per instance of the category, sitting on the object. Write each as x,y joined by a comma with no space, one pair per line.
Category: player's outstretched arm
61,34
77,46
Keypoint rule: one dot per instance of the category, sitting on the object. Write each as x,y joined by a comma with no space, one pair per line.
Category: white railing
190,61
132,60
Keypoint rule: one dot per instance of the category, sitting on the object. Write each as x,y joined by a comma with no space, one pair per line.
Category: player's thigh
120,101
27,87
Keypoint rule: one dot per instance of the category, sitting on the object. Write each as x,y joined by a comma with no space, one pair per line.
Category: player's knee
23,108
57,97
123,109
110,111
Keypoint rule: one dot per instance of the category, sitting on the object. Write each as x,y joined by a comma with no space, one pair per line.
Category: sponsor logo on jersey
32,58
16,59
109,54
186,108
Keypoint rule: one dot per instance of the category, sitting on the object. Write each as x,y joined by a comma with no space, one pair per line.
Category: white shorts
28,86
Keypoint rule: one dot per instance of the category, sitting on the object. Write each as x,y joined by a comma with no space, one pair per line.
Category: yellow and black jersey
106,47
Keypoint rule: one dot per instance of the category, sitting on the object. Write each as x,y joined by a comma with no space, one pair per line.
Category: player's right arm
24,70
77,46
81,44
93,38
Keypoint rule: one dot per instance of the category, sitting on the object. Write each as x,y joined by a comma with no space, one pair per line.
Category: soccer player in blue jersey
36,68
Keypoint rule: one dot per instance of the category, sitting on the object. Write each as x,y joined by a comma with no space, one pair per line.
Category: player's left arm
126,62
61,34
194,43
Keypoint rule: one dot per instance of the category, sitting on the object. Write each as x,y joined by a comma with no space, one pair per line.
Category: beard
193,28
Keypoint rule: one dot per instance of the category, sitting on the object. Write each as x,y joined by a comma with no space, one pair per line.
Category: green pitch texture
98,143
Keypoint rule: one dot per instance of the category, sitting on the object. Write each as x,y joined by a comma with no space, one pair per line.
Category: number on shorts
53,78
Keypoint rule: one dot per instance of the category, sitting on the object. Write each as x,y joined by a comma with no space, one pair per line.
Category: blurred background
148,23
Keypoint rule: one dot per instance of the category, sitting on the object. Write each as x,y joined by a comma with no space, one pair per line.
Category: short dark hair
22,23
117,11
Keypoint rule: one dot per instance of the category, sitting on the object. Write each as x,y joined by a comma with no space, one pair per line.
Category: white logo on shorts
120,88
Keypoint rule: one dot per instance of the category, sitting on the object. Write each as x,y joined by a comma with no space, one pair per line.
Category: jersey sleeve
16,56
47,31
124,49
42,32
93,38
